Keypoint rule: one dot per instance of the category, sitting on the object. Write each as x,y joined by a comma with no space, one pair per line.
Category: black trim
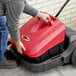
62,8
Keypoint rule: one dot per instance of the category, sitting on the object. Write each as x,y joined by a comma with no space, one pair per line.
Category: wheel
74,58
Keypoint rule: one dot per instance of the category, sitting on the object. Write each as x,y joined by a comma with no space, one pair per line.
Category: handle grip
51,20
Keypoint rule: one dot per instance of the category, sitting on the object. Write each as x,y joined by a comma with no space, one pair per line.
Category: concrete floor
68,70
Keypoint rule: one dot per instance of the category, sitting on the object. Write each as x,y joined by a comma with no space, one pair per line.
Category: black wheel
74,58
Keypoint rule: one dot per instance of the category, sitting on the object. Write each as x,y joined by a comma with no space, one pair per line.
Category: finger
49,17
46,20
19,50
8,47
23,47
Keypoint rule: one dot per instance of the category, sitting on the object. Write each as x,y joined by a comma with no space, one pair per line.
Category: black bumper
54,61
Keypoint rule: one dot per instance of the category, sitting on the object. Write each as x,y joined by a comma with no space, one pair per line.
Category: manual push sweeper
47,45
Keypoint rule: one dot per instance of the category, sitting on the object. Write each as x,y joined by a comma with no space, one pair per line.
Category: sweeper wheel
74,58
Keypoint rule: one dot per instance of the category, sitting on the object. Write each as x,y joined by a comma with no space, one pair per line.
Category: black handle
62,8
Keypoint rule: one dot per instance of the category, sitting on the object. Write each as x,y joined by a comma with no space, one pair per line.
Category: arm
34,12
13,12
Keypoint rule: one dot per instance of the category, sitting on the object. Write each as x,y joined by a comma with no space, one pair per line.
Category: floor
68,70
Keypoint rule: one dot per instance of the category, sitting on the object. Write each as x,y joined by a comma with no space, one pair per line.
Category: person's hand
20,46
43,16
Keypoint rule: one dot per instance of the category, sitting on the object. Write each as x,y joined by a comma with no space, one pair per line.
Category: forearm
30,10
15,35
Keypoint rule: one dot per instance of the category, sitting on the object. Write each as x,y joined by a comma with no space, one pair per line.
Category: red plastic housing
38,36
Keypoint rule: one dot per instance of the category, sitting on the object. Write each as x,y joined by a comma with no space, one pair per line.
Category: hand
43,16
19,47
8,46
